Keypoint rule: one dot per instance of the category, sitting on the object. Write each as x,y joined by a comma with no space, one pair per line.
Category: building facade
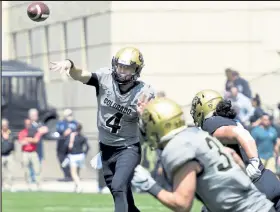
186,45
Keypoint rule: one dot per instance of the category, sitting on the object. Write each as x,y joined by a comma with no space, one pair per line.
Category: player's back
213,123
222,185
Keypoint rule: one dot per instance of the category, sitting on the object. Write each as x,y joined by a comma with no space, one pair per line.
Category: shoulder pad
178,152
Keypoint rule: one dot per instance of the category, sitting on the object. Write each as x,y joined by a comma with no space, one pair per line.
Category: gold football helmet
203,105
127,65
161,119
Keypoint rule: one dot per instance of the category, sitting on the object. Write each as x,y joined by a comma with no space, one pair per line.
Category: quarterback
194,163
214,114
121,97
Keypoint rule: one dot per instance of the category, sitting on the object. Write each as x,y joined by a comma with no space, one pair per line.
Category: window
15,85
98,57
98,29
30,88
74,33
56,39
39,62
56,57
22,44
38,41
77,57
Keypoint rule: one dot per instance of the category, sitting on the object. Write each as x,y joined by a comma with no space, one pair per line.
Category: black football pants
118,168
269,184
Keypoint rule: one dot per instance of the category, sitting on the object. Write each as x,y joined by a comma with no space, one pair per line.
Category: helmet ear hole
119,79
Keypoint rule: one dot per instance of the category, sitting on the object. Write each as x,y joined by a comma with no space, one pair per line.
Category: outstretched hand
60,66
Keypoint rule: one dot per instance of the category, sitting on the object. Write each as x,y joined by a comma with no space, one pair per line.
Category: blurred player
194,163
215,115
120,98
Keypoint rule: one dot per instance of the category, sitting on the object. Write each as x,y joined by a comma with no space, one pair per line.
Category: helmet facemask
198,117
125,74
126,69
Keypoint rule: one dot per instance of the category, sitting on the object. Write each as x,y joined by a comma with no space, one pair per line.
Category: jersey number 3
114,122
226,164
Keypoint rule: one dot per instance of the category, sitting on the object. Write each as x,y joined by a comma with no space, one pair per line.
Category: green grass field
71,202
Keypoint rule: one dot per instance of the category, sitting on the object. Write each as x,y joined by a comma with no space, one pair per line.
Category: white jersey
117,117
222,185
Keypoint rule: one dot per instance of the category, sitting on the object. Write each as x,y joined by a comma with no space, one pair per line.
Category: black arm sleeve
93,81
212,124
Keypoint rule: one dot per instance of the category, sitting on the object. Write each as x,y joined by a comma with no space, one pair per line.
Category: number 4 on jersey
114,122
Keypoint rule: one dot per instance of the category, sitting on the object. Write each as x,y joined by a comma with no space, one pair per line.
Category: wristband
72,64
155,189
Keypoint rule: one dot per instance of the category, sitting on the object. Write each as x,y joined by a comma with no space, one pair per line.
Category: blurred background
231,47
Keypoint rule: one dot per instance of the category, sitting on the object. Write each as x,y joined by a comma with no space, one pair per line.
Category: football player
121,97
194,163
214,114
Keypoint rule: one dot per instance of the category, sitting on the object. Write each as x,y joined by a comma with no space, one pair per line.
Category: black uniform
119,135
118,167
267,183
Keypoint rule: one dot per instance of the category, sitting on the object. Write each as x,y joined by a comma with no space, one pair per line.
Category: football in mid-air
38,11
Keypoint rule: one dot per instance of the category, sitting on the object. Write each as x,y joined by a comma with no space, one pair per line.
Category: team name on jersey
116,106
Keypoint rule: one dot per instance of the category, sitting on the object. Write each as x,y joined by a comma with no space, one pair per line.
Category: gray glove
253,168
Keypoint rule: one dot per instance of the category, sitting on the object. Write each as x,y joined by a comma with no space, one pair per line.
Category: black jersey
213,123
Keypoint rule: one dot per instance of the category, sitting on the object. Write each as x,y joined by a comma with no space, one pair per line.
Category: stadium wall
186,46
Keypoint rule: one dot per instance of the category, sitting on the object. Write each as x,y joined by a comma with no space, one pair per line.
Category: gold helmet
127,65
161,119
204,104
